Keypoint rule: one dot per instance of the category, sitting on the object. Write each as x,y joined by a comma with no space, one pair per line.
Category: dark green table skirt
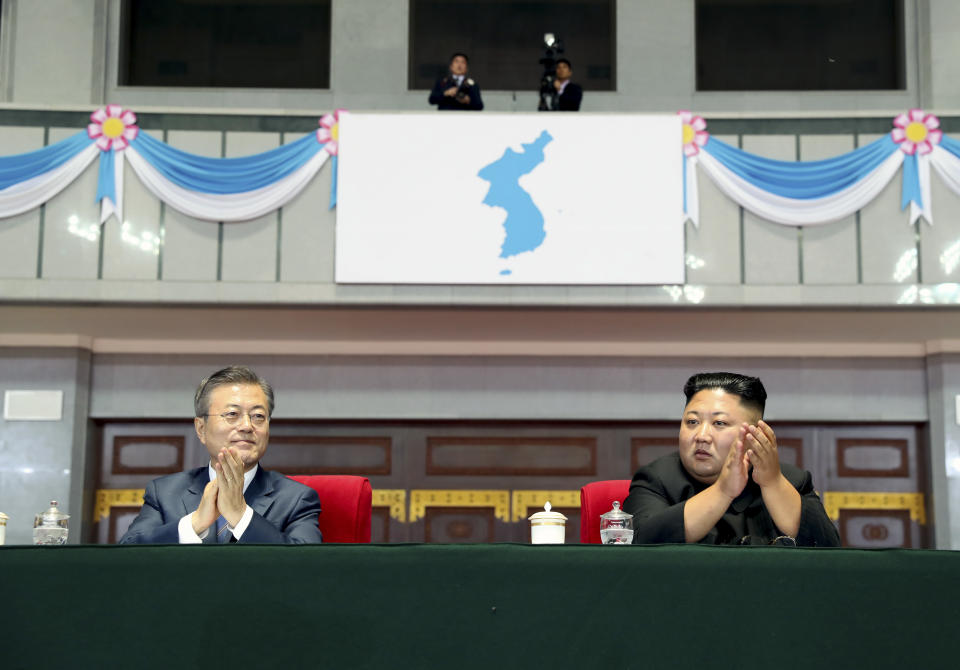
477,606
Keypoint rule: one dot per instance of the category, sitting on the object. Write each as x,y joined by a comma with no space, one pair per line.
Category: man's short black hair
750,389
460,53
564,60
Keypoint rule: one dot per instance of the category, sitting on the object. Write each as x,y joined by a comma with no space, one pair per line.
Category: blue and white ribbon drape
215,189
804,193
29,180
800,193
225,189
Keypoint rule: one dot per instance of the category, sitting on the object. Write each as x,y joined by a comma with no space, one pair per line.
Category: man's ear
199,425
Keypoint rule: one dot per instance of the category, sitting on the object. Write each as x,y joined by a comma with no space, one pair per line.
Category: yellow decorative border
107,499
521,501
396,499
420,499
834,501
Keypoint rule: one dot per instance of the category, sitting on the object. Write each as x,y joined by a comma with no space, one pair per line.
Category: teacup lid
53,514
3,517
616,513
546,515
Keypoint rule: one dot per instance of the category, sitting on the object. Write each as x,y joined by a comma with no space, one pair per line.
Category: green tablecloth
477,606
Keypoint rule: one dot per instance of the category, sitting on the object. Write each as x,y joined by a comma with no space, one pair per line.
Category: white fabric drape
225,207
32,193
793,211
948,167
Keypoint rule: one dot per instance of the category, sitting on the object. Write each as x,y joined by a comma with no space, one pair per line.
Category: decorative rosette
329,132
113,127
916,131
694,132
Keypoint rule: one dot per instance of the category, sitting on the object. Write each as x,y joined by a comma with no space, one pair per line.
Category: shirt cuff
185,530
243,523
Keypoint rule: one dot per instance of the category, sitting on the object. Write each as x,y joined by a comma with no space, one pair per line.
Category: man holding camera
456,90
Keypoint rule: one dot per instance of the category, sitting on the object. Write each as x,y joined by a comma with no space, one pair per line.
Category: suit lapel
259,495
194,493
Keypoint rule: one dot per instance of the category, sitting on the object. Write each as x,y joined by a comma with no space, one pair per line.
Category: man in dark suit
456,90
726,484
568,95
232,499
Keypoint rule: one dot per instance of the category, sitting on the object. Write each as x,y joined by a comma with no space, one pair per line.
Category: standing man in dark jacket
569,95
456,90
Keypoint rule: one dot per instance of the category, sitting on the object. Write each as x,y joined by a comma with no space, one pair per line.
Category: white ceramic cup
552,532
547,527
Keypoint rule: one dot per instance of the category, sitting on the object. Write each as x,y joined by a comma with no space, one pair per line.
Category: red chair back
597,498
345,502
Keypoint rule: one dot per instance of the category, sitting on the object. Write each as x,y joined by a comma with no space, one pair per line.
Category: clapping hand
206,514
230,500
761,444
735,472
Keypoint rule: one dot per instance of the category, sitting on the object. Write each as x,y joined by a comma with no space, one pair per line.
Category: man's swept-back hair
750,389
234,374
459,53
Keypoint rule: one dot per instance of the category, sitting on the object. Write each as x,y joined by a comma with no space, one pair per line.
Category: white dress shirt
185,527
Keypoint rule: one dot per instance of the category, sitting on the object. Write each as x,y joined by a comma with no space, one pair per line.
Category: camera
553,49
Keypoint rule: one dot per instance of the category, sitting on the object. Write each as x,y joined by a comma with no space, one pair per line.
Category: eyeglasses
233,417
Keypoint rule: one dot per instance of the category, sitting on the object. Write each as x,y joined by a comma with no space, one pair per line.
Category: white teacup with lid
547,527
3,527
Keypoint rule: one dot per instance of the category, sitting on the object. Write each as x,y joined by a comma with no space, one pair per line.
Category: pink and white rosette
113,127
328,133
916,132
694,135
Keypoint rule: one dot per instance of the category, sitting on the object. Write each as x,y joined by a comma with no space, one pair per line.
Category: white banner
509,199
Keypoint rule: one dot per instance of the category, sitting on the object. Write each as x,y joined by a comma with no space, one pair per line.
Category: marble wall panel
131,248
20,235
71,225
308,230
830,254
940,242
250,247
713,248
190,248
771,250
888,245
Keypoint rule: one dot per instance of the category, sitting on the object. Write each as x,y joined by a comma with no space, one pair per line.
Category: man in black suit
726,484
568,95
232,499
456,90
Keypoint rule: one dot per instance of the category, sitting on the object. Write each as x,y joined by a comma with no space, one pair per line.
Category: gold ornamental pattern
521,501
395,499
834,501
421,499
107,499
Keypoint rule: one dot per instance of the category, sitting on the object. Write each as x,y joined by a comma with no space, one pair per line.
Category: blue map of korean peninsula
524,222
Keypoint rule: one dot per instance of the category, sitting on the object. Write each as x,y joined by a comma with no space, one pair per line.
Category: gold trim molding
834,501
107,499
395,499
421,499
523,500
